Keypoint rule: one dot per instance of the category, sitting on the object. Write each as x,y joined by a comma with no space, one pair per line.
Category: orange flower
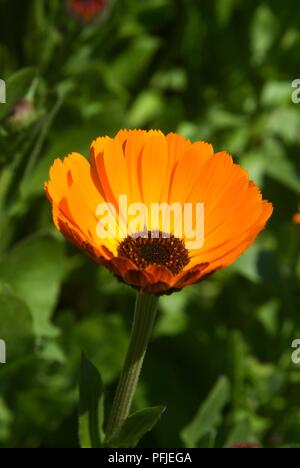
148,168
296,217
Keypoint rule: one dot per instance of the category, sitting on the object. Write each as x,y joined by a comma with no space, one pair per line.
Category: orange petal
154,173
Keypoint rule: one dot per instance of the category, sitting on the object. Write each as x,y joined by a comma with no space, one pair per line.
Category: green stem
145,313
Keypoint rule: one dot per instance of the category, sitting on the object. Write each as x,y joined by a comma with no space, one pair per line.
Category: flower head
87,10
296,217
159,211
22,115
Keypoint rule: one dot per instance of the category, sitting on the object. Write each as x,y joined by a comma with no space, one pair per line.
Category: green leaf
242,430
136,59
135,427
237,361
284,171
255,163
209,415
6,419
15,327
90,405
276,93
173,320
104,337
17,87
264,30
282,122
289,446
259,264
147,106
34,269
225,10
268,316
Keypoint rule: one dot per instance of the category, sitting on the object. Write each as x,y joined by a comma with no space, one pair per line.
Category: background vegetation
218,70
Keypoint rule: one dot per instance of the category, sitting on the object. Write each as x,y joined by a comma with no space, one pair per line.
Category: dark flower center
155,248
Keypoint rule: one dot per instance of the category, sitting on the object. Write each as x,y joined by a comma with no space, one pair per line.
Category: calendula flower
198,211
87,10
161,213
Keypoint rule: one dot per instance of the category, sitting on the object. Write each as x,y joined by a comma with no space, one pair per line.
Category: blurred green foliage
217,70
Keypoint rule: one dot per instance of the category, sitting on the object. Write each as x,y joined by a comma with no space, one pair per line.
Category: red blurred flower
88,10
245,445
